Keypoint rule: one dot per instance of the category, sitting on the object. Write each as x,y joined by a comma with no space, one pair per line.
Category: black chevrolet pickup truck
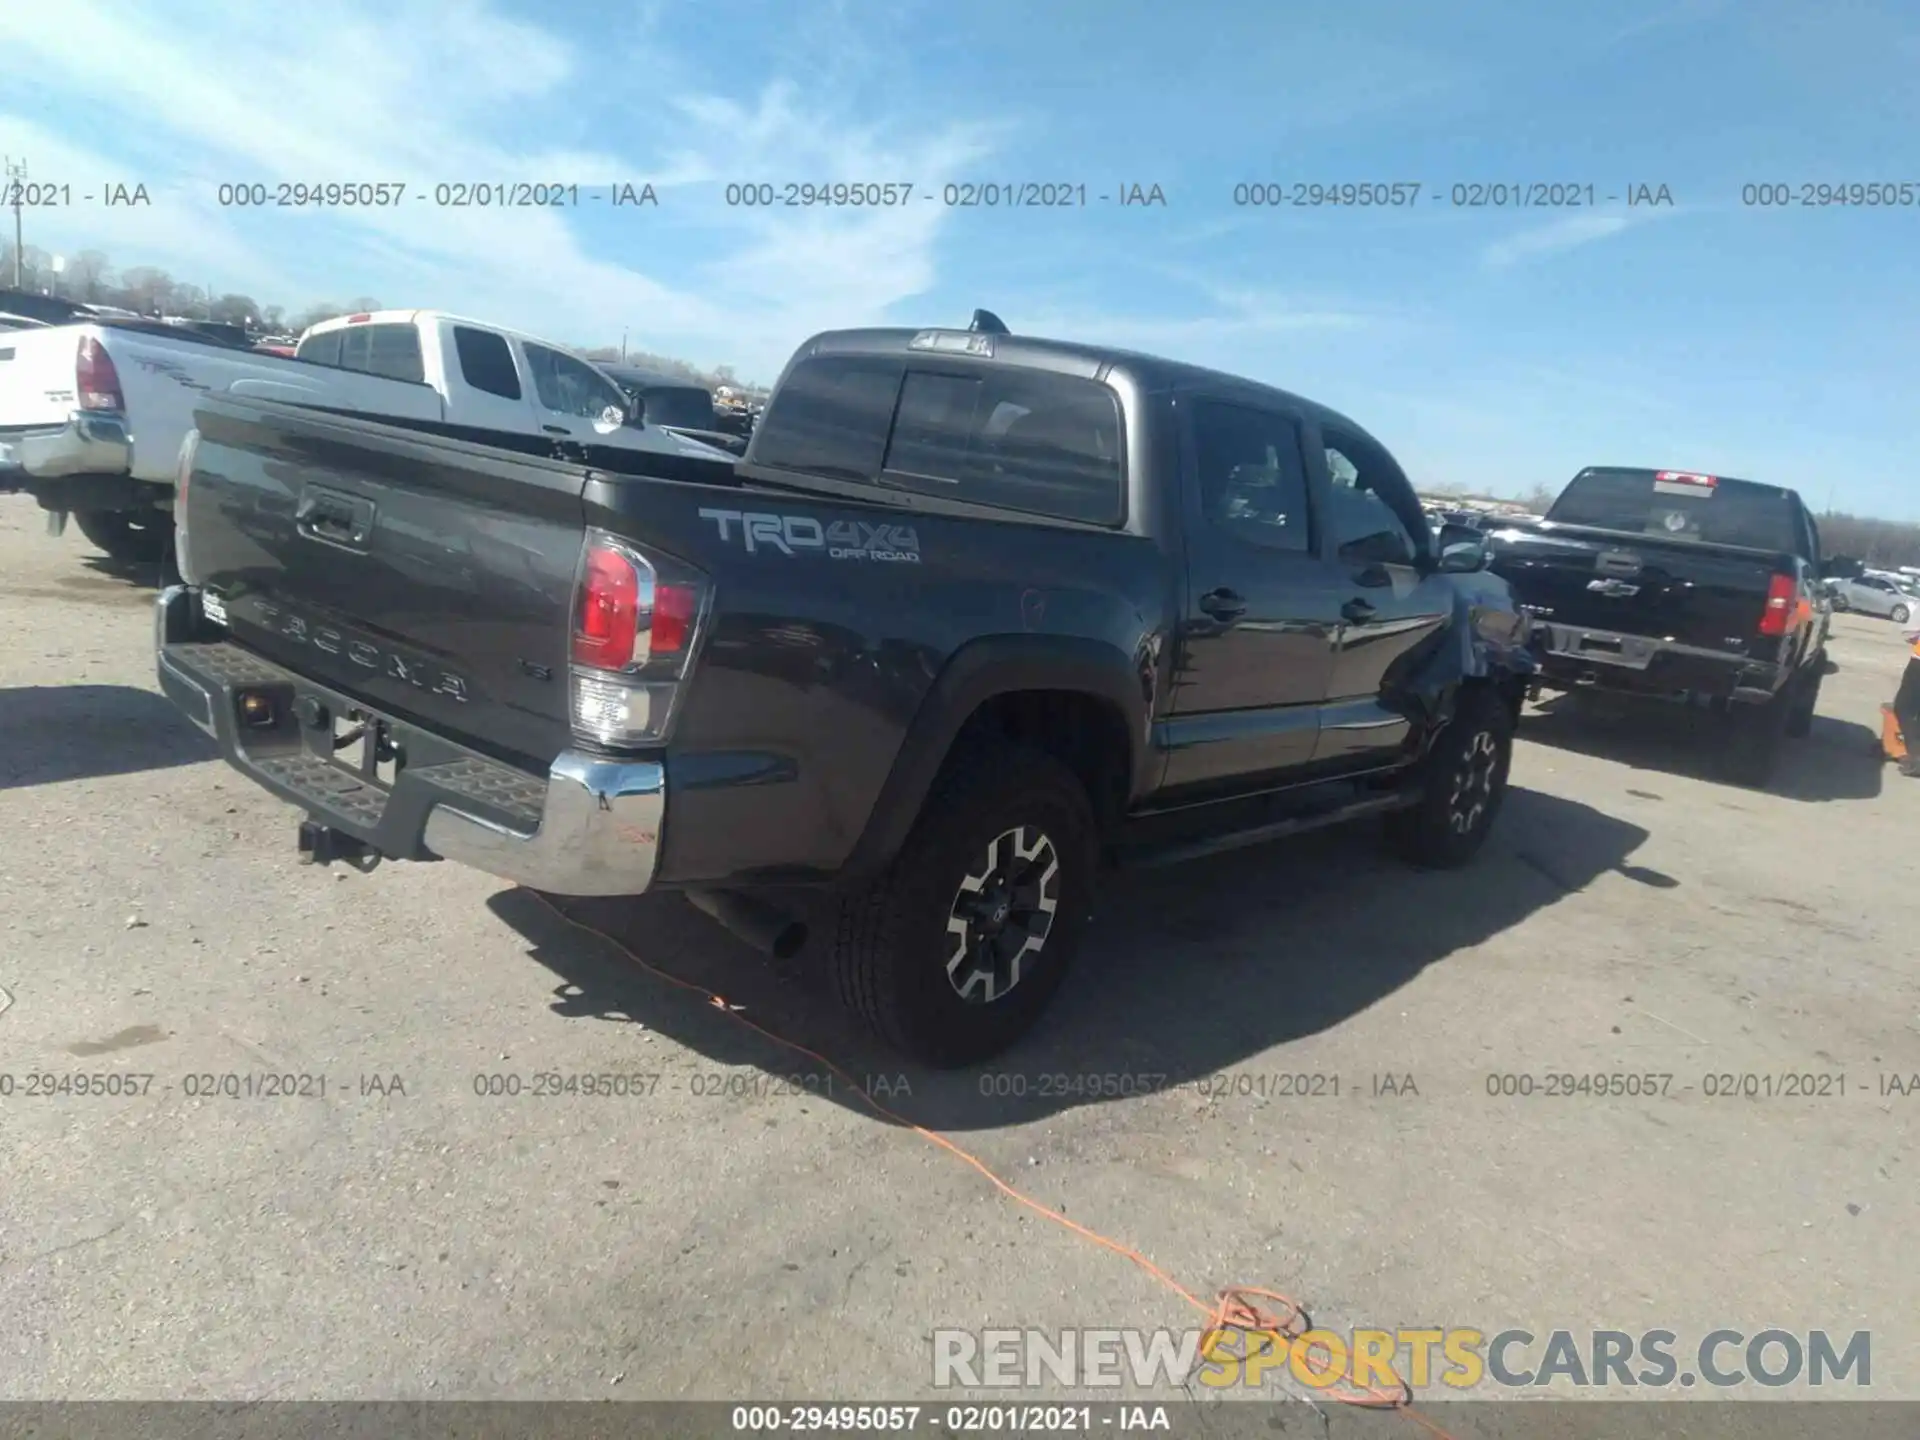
1679,586
977,617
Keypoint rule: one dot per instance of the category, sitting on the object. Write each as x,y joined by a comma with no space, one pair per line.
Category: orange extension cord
1236,1308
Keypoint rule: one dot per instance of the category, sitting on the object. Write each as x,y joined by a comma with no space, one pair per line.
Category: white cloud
1678,14
454,90
1243,331
1559,235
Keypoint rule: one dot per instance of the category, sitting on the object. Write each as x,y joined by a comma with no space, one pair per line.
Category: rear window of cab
1017,439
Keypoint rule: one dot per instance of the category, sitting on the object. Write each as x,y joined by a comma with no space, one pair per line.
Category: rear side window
1023,440
830,418
394,351
322,349
485,362
1725,512
354,347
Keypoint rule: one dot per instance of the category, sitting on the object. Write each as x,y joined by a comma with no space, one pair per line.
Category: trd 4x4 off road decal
803,534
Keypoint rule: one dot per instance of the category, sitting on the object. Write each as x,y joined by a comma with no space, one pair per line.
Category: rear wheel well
1084,732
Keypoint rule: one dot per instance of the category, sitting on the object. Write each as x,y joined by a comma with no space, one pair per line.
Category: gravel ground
744,1226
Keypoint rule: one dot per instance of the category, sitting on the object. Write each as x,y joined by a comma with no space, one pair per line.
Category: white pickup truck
93,415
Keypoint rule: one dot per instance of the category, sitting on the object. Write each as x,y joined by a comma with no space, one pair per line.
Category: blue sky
1494,347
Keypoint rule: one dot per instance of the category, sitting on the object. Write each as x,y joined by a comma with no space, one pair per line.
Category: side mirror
1463,557
636,410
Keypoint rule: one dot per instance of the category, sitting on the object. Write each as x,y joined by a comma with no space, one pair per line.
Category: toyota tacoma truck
976,618
93,414
1679,586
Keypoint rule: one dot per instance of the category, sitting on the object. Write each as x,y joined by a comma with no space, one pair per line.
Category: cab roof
417,317
1068,357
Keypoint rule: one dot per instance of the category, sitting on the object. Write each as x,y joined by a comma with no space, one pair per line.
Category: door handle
1357,610
1223,604
556,429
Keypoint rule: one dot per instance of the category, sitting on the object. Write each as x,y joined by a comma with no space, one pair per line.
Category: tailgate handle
334,518
1617,562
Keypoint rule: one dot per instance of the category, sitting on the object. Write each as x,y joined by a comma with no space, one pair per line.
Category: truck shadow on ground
141,575
1188,971
50,733
1839,760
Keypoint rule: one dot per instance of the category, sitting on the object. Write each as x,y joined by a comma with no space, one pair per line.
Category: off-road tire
1805,701
133,537
893,940
1462,781
1753,740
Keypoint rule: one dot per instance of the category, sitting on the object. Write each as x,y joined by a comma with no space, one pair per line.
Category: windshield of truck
1676,506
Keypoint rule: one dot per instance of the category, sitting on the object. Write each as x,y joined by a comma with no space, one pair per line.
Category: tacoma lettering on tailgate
387,662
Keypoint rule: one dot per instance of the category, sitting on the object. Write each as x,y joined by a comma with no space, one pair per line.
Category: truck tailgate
37,370
1711,596
431,578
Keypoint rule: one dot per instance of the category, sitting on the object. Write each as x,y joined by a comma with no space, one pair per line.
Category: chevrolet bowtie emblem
1618,588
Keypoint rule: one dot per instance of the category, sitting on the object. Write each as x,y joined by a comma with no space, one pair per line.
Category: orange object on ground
1891,740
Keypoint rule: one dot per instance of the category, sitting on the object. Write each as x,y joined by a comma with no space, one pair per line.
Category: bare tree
1540,499
87,277
36,268
235,309
1872,542
314,314
148,290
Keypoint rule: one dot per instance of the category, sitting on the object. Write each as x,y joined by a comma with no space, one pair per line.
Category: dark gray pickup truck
976,617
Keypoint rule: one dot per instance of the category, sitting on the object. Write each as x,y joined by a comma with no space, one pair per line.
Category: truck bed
164,371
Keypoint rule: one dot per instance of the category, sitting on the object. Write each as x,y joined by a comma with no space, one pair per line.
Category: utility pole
17,182
623,347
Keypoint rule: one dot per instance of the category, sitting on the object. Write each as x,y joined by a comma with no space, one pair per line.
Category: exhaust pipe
770,931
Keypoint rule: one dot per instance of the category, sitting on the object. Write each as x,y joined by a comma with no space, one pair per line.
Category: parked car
93,414
976,614
677,405
1893,597
1679,586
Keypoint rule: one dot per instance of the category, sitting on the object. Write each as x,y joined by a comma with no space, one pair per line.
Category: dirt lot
730,1231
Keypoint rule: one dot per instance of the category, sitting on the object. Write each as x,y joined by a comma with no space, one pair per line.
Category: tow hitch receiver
322,845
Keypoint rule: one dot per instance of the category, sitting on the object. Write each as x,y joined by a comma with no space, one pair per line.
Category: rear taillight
94,377
636,622
1782,593
606,611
